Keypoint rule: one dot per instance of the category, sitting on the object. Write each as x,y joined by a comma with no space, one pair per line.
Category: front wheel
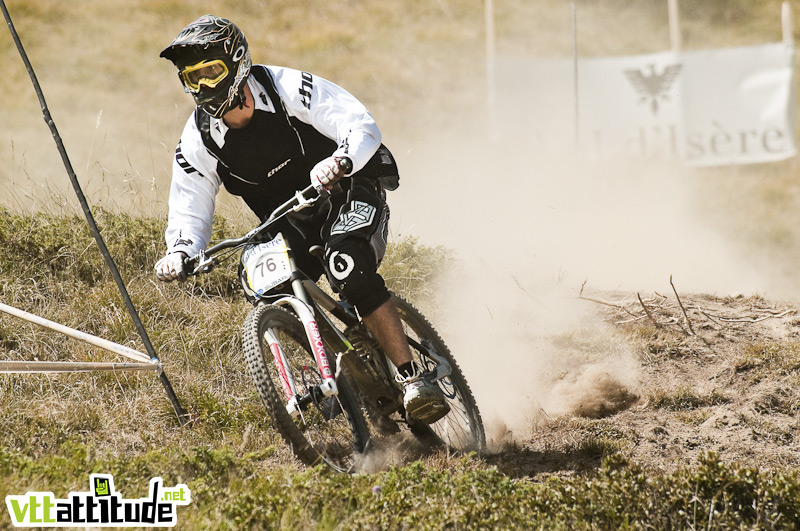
462,428
318,429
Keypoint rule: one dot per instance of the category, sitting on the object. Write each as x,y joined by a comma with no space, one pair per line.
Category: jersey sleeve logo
182,162
306,88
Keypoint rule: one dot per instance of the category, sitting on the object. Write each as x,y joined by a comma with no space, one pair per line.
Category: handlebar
204,260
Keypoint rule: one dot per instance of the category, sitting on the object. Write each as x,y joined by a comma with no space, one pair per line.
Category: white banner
710,107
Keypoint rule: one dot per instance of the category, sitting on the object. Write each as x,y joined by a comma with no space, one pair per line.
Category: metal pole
105,344
90,218
787,29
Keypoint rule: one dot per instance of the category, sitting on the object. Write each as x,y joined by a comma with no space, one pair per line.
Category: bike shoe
423,400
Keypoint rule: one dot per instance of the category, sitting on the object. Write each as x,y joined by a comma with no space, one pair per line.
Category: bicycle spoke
461,429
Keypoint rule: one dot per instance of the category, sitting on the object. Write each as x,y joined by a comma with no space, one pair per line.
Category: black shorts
352,227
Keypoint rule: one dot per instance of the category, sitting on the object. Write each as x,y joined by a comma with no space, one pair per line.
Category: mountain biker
262,132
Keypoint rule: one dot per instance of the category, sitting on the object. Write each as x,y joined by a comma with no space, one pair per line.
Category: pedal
427,411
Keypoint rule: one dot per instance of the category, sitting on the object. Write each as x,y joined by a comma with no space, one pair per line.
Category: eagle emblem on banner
652,86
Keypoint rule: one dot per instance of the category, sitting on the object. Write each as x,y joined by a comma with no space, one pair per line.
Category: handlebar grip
189,264
345,164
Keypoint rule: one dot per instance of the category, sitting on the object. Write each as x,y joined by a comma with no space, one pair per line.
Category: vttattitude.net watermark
100,506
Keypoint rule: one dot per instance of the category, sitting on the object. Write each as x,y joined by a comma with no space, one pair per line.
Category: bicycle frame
373,386
308,302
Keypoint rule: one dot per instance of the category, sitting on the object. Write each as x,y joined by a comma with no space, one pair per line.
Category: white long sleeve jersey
299,119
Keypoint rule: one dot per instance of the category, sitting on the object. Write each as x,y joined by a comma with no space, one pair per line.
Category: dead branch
652,300
523,289
772,311
754,319
653,306
604,303
740,319
709,316
685,315
647,311
633,319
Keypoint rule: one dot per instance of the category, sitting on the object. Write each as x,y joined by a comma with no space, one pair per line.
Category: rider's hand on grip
171,267
328,171
345,164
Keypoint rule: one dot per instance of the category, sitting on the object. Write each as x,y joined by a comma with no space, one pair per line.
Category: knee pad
351,269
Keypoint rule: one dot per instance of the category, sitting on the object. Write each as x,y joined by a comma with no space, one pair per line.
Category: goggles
208,73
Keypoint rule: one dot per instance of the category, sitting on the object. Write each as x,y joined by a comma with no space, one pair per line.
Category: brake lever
302,202
203,263
345,165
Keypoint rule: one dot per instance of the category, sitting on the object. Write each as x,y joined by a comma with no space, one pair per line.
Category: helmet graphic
213,62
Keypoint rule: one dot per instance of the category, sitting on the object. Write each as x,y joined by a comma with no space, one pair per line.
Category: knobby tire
339,442
461,430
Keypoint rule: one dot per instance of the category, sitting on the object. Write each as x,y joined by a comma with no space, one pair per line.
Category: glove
171,267
327,171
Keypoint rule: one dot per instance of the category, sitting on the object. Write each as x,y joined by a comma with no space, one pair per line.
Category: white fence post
787,26
490,52
674,26
576,107
144,361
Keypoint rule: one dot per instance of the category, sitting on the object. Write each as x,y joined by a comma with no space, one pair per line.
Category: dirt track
726,384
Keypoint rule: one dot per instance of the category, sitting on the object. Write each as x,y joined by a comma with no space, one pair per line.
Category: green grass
234,490
762,359
50,266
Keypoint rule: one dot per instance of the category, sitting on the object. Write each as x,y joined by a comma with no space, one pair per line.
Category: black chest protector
266,161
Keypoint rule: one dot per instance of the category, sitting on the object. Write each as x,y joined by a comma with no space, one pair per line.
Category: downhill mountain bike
317,368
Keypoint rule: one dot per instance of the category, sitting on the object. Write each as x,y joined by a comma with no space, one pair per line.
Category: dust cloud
530,230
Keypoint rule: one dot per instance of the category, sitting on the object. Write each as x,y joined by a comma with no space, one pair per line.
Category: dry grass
417,65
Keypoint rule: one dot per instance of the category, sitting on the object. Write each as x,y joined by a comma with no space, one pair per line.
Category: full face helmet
213,63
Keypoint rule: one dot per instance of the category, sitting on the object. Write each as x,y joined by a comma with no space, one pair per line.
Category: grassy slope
57,429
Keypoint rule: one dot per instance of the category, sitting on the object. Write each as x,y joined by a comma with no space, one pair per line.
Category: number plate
267,265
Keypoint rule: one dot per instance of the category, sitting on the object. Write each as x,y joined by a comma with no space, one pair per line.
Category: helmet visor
208,73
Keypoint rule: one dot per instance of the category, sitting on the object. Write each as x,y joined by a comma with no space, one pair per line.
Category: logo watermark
100,506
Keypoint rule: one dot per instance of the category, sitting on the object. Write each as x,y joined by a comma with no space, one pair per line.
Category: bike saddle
318,251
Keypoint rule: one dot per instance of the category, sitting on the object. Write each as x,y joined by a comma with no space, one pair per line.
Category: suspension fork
303,307
287,381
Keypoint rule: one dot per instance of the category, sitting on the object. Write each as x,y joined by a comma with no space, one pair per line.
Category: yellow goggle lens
208,73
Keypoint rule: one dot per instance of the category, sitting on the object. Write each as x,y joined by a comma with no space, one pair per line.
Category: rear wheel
322,429
462,428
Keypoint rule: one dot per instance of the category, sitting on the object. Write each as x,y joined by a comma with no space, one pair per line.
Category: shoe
423,401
